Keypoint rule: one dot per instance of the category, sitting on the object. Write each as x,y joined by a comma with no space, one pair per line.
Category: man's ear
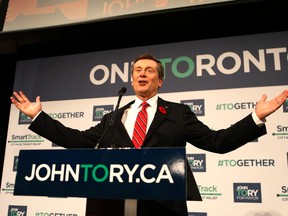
160,83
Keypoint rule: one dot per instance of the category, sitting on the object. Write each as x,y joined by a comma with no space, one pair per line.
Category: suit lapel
120,127
160,115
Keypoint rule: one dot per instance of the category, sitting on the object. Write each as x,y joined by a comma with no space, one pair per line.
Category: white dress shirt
130,114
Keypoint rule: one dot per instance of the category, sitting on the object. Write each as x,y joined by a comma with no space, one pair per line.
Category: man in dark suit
170,124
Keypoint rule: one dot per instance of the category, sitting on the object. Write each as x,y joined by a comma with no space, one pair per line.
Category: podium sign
147,174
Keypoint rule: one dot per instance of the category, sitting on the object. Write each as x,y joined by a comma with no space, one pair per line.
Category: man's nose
143,73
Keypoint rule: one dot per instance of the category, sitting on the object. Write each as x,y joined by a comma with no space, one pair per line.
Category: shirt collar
152,102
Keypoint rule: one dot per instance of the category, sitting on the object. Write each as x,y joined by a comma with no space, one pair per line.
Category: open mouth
142,82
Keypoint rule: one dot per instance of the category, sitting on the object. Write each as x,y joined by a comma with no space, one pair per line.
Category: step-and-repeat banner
220,79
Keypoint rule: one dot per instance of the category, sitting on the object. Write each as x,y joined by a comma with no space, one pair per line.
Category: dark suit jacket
173,127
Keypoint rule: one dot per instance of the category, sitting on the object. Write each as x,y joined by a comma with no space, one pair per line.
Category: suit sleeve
224,140
66,137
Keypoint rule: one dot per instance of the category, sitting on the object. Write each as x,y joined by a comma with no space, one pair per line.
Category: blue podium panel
147,174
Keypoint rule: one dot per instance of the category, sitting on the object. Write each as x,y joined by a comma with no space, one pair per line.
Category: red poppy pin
162,110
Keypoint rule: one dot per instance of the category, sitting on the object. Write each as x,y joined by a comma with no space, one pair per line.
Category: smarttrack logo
100,111
25,140
284,189
9,188
281,132
209,192
196,106
247,192
15,210
197,162
284,193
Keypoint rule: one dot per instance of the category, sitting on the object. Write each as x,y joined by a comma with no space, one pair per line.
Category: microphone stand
111,123
130,208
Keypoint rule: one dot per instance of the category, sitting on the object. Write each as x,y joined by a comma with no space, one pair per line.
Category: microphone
121,92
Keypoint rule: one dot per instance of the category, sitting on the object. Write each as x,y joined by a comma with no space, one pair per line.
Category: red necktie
140,126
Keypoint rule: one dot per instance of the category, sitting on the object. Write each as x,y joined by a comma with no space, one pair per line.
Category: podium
116,174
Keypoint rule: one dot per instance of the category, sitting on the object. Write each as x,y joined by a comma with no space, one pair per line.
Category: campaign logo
14,210
247,192
100,111
197,214
285,106
197,162
24,119
196,106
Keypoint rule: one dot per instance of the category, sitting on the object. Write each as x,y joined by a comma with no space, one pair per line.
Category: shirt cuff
36,115
258,121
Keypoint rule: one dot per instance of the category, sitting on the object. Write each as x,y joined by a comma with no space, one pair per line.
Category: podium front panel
147,174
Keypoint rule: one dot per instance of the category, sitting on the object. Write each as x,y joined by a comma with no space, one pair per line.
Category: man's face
145,80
